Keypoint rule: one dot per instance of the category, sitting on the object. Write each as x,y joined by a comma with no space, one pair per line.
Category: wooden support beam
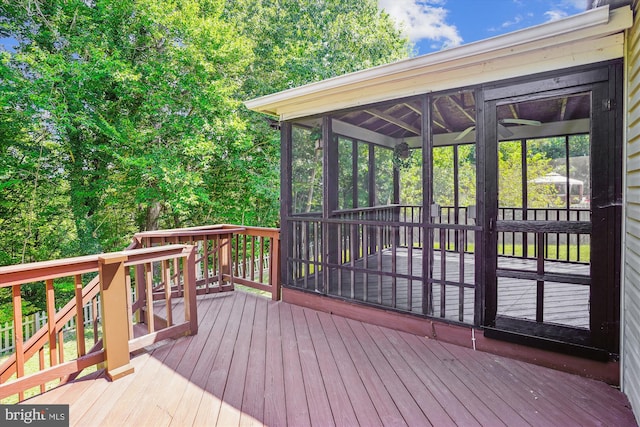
392,120
460,107
412,108
563,108
514,112
17,334
436,112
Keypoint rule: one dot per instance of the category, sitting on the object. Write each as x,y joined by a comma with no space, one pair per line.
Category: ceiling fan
502,129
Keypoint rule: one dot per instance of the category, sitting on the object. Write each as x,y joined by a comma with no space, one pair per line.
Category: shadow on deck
259,362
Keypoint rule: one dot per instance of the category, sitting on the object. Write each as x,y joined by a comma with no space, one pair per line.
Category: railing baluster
166,273
41,364
127,276
61,346
205,257
261,260
236,255
17,333
94,313
379,257
244,256
51,320
443,274
79,316
149,297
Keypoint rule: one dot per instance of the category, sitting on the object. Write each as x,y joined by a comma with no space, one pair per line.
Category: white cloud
423,20
564,8
580,5
514,21
554,15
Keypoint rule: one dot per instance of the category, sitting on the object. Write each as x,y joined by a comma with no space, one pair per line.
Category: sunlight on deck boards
259,362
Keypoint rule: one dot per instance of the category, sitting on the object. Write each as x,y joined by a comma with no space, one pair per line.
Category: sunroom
478,186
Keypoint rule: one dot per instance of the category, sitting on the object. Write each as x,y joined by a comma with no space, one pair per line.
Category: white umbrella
555,178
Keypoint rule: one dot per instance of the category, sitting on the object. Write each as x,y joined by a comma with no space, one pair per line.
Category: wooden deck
258,362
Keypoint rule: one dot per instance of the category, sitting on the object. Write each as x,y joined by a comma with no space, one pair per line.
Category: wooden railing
226,255
121,328
137,288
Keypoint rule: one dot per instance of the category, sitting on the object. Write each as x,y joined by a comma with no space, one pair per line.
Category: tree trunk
152,216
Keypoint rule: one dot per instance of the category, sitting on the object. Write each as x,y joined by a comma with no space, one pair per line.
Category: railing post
225,258
115,323
274,266
191,304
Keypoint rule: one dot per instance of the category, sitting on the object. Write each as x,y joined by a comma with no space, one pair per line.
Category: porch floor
258,362
453,299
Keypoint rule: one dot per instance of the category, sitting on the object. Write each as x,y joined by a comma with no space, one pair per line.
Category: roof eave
269,104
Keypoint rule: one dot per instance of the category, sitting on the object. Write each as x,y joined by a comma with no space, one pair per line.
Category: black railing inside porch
376,254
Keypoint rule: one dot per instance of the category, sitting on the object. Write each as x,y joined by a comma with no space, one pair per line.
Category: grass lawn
553,252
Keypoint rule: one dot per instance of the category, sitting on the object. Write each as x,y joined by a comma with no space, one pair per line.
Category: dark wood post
286,229
330,202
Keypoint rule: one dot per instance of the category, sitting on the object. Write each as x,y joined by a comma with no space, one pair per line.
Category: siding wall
631,268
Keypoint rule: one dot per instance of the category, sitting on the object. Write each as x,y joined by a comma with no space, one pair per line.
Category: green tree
140,96
295,42
510,182
117,117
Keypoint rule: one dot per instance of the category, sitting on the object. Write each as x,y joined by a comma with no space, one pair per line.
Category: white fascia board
595,18
458,74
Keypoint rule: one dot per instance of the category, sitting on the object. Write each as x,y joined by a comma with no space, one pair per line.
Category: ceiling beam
412,108
512,107
392,120
461,108
436,110
545,130
563,108
361,134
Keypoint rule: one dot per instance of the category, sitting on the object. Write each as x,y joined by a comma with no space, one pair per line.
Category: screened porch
468,206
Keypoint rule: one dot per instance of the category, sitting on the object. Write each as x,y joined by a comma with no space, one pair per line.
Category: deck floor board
298,406
357,392
339,400
259,362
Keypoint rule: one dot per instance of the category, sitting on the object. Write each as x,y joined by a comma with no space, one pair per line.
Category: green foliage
306,167
510,183
301,41
122,116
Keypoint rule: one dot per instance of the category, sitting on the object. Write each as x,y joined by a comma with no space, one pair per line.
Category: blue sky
434,25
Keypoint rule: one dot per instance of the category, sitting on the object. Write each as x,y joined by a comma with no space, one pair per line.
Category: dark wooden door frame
605,84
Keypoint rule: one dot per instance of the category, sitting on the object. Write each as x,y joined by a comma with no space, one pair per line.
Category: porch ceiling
456,112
